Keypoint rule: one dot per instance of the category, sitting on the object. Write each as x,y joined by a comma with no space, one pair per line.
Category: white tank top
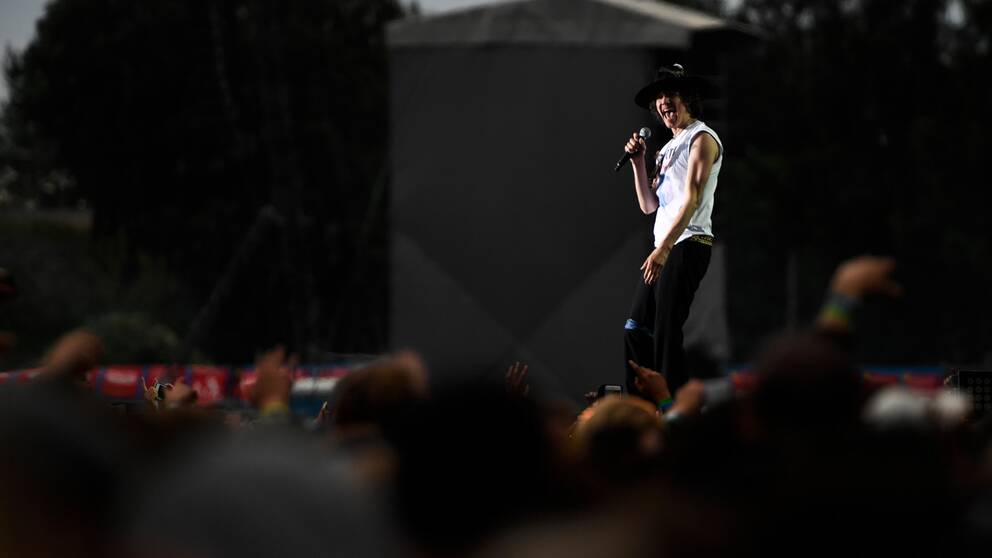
673,168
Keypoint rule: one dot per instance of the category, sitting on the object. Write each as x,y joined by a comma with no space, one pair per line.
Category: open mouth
669,114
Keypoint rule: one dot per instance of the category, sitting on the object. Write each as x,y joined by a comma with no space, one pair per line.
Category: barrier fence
214,385
230,385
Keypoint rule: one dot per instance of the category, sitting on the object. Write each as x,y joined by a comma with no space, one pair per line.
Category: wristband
842,301
274,408
665,404
839,307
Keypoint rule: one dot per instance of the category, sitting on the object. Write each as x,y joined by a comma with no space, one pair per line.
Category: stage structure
512,237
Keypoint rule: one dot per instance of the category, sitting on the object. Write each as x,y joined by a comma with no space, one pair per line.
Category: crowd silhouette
803,458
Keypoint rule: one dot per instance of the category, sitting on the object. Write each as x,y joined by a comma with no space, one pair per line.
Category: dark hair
693,101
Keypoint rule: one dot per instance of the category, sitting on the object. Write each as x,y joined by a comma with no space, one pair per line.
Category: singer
680,192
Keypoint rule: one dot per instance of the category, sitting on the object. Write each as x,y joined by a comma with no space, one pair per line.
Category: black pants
653,334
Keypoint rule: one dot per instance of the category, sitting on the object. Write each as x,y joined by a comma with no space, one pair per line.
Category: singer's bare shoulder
705,147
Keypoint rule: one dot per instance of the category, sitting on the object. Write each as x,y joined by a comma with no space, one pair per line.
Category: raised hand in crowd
170,396
866,275
180,395
516,380
275,380
155,393
650,383
72,356
689,399
322,418
852,281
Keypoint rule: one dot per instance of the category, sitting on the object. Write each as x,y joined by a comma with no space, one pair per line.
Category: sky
18,17
441,5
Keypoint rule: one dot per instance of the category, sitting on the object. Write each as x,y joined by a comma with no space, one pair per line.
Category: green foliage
135,338
178,120
858,127
66,280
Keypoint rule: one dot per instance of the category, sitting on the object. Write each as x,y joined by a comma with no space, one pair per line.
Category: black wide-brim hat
672,79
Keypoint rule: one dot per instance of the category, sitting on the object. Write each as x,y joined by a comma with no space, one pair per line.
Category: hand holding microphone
634,148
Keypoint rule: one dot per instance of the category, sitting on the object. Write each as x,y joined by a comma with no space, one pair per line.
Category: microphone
645,133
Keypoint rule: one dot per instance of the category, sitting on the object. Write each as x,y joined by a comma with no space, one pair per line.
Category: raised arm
646,198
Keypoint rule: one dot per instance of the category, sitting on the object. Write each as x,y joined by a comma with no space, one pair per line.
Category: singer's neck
678,129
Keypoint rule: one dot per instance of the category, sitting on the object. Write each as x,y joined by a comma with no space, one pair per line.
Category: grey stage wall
512,237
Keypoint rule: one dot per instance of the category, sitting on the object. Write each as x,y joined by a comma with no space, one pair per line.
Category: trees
180,120
858,128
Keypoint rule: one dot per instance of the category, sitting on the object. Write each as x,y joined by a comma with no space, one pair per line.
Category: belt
702,239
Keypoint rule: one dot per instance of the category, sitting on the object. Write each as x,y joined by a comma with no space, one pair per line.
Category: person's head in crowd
366,408
618,439
558,413
72,357
373,399
600,534
818,459
472,462
806,387
266,495
559,421
62,461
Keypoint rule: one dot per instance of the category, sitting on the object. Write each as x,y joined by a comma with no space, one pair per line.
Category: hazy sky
17,19
438,5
